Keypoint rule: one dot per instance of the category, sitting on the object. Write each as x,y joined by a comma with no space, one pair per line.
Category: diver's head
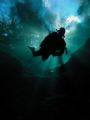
61,31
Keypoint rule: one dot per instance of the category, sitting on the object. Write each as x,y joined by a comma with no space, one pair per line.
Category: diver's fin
32,49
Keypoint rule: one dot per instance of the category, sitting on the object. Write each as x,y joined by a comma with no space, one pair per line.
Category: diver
53,44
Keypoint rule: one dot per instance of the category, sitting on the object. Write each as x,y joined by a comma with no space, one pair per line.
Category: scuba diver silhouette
53,44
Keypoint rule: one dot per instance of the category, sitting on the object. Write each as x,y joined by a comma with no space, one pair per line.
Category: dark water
59,94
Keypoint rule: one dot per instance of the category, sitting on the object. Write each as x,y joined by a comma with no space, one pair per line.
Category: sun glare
73,19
